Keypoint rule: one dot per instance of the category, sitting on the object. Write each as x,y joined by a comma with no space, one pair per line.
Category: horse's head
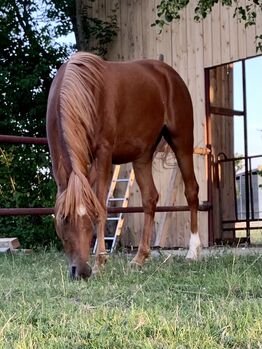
76,238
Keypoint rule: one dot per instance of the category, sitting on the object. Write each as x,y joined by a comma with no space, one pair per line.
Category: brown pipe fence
47,211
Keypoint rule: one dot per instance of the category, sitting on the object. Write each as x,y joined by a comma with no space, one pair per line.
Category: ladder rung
116,199
109,238
113,218
122,180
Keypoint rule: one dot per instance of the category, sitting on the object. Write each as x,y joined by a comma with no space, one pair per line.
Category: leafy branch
98,33
170,10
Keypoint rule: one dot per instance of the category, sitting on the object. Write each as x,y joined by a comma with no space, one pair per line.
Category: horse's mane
78,106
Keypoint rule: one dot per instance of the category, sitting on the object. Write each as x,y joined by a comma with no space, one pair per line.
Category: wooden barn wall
189,47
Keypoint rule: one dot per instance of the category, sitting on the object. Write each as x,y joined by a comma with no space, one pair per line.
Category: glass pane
238,136
254,107
238,86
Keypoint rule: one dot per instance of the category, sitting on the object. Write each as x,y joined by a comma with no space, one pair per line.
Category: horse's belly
124,157
131,150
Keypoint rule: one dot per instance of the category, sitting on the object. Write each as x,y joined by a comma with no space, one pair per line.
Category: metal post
251,189
246,149
209,159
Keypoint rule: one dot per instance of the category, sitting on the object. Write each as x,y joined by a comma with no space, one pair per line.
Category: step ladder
122,201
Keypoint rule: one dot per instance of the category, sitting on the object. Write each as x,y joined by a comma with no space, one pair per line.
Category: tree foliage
28,55
31,50
93,34
28,58
169,10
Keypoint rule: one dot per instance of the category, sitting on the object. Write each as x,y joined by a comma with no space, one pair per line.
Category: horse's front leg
103,172
144,178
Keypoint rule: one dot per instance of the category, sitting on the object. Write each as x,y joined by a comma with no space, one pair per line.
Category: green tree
91,33
28,58
31,50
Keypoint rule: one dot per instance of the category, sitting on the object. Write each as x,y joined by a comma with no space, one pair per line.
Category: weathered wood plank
165,222
179,46
233,35
149,33
225,33
216,35
115,49
208,51
164,44
242,39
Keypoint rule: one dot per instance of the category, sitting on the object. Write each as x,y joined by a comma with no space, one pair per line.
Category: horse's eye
64,220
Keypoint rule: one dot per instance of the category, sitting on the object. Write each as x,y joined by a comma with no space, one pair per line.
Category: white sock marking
194,247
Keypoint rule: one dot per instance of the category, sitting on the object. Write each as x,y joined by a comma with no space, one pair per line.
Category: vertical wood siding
189,47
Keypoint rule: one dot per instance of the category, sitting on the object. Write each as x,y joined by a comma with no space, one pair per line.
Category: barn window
234,133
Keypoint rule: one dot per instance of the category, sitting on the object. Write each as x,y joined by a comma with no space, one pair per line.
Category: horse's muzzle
77,273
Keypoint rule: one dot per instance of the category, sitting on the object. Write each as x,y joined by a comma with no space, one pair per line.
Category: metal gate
236,195
238,222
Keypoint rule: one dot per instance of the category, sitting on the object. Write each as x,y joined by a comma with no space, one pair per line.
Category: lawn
170,303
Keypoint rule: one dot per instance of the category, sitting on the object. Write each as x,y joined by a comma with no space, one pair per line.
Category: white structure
255,192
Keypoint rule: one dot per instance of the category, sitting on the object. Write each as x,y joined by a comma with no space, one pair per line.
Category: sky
254,108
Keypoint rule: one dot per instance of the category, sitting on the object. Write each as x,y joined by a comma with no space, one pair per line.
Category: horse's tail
167,156
78,106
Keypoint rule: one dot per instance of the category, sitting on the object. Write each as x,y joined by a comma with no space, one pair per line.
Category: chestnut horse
102,113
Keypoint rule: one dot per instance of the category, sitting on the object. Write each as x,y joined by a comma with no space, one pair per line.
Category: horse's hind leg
149,194
182,145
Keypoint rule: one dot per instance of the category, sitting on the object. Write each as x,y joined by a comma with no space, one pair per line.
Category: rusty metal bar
225,111
135,209
239,221
240,158
41,211
211,237
22,140
235,189
236,229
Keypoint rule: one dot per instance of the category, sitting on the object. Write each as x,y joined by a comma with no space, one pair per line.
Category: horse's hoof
191,256
135,265
102,258
96,270
194,255
100,261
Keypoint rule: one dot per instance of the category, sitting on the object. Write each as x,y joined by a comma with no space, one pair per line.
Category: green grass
215,303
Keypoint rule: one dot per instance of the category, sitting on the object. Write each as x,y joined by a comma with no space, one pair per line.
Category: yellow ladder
112,197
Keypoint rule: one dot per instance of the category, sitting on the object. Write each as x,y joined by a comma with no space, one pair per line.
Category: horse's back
136,101
141,98
147,89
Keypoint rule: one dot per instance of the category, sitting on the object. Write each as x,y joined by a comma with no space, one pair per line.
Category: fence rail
41,211
49,210
22,140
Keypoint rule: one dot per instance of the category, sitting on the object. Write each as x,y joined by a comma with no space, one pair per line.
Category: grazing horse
101,113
